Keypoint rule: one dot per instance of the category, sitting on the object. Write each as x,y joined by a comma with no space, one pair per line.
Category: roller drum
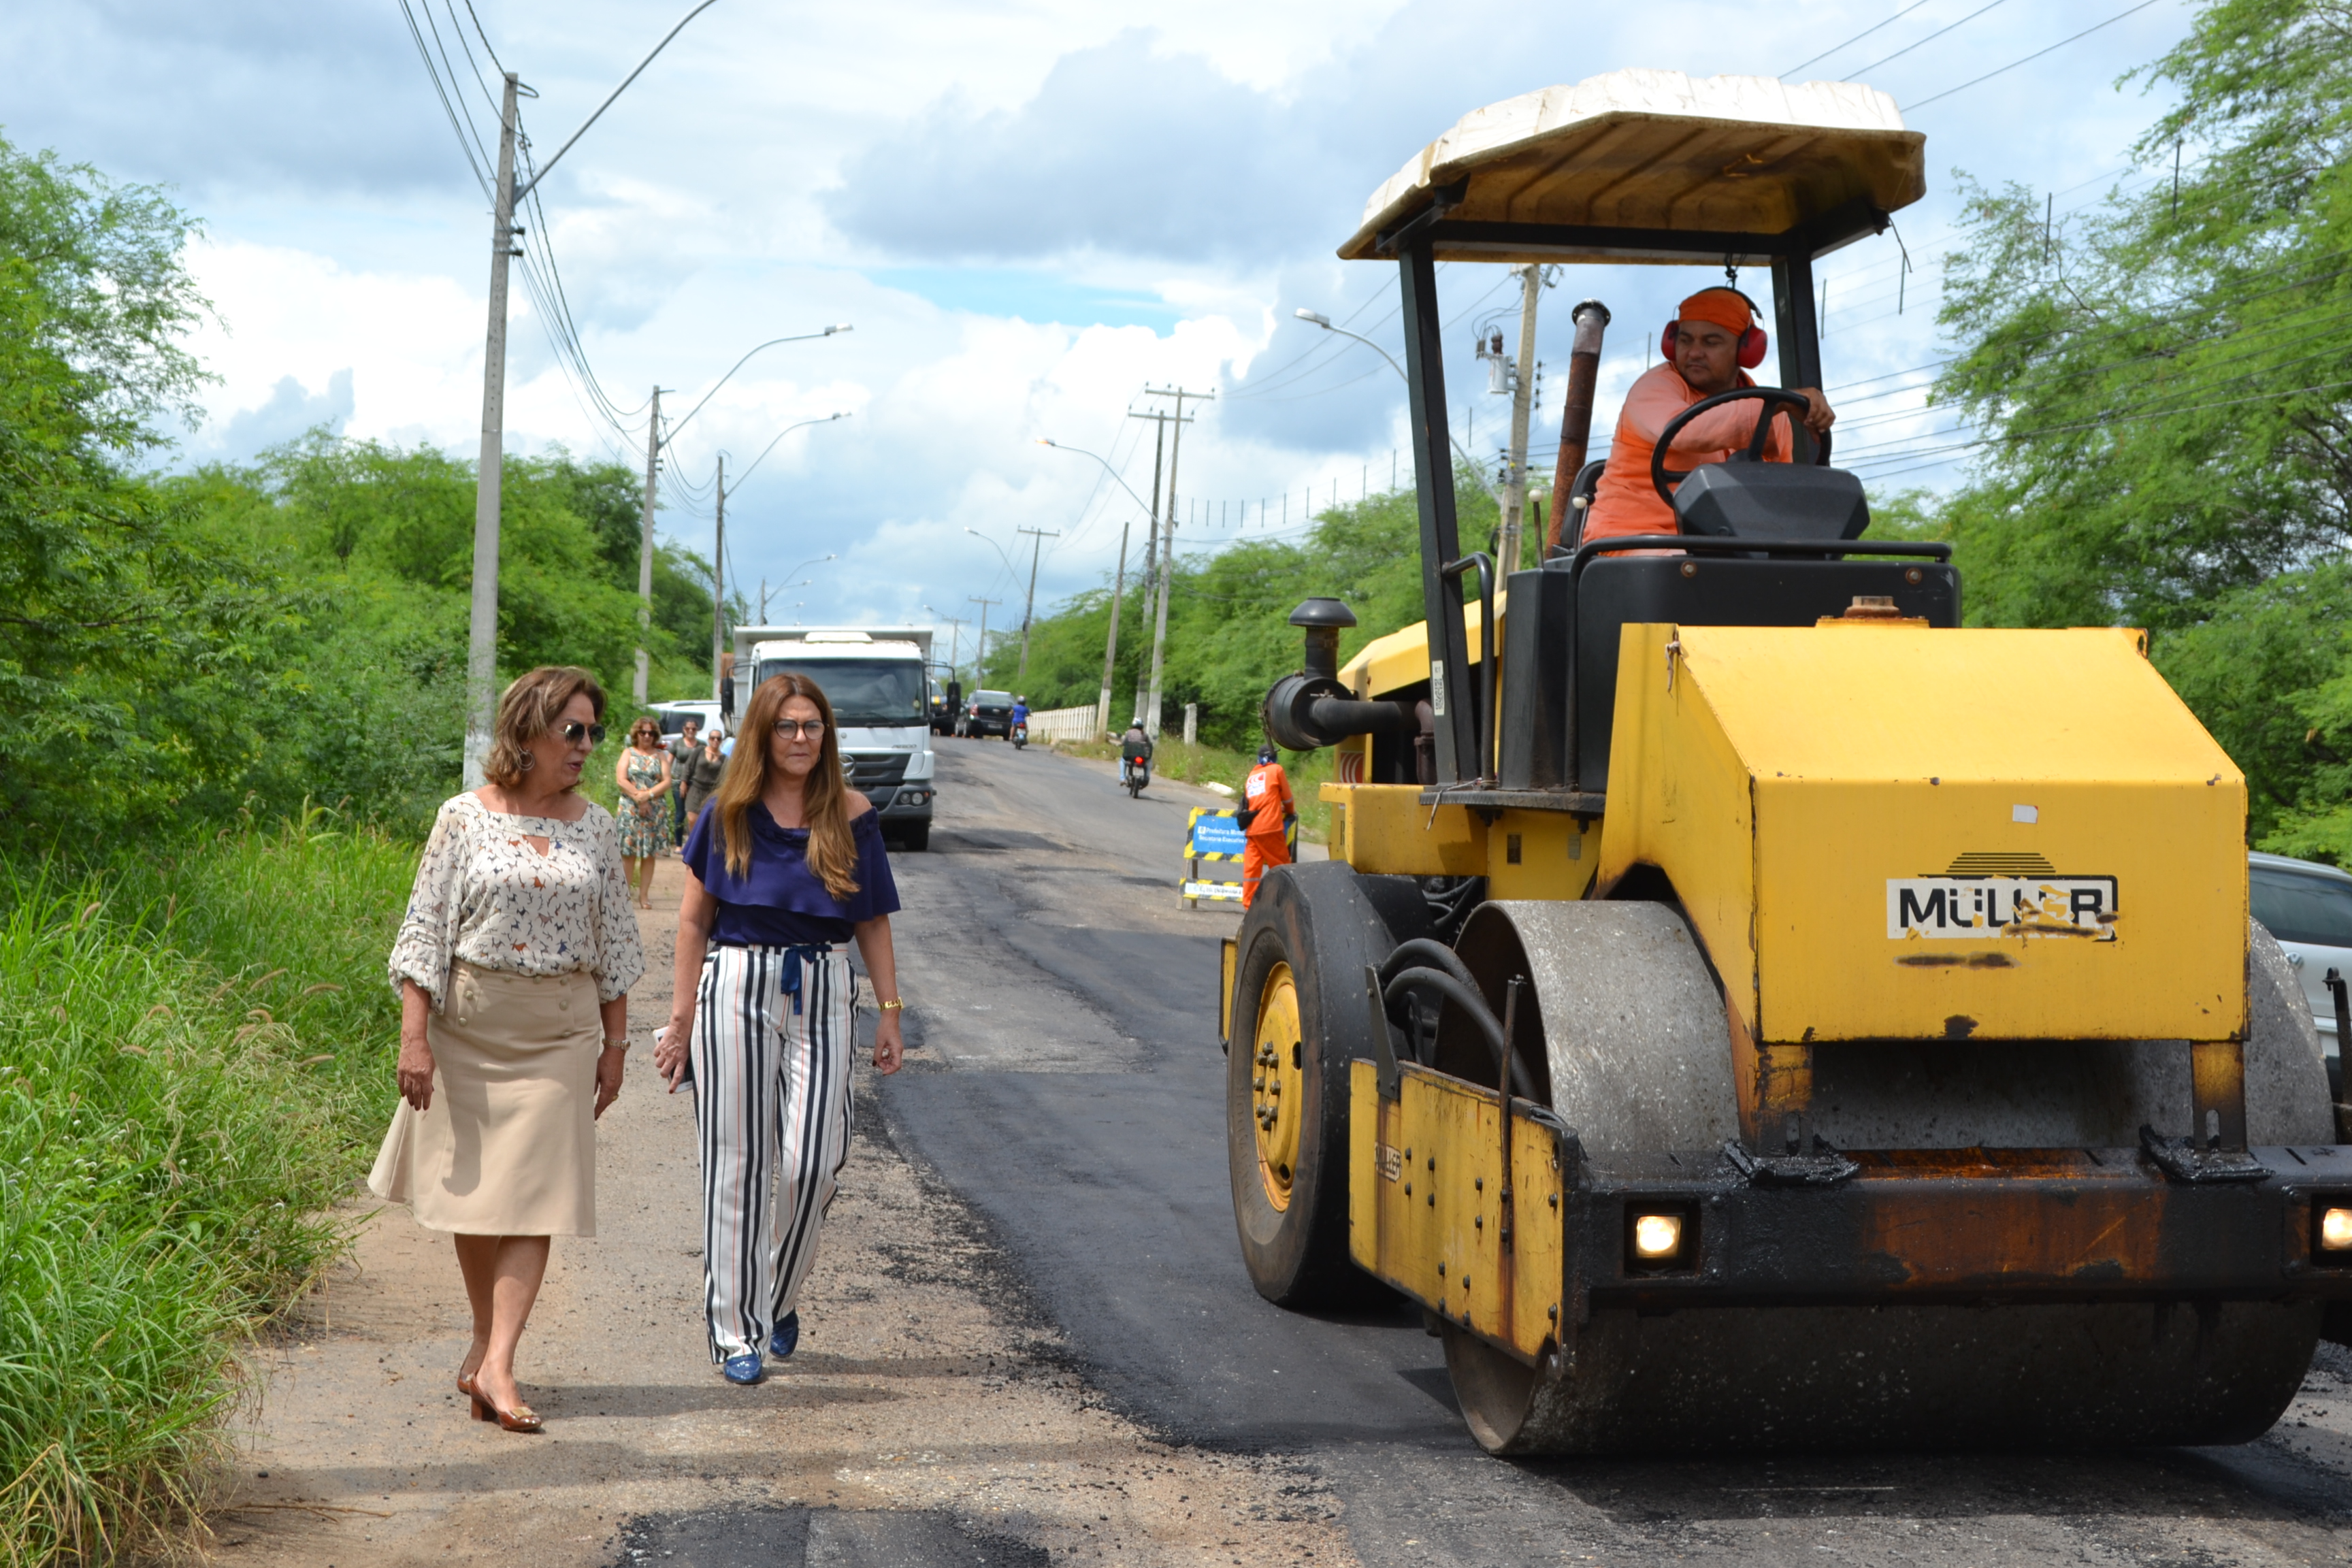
1624,1015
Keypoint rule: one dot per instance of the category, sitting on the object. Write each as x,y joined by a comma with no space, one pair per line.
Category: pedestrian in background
703,773
1266,811
681,752
784,872
642,776
513,965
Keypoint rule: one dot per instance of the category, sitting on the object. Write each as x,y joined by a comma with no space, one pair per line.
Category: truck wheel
1299,1019
915,839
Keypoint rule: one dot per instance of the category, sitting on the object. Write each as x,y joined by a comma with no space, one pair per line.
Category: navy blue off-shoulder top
779,901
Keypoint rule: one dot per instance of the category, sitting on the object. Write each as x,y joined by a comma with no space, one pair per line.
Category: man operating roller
1710,346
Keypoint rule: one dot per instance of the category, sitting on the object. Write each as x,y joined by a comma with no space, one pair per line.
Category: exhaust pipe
1592,319
1311,709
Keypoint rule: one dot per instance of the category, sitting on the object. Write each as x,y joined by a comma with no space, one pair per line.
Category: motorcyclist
1021,716
1134,747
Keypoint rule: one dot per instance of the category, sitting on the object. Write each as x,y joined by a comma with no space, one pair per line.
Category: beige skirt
508,1144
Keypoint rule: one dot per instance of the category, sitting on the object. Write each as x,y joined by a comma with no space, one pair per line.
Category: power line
2036,55
1825,54
1930,39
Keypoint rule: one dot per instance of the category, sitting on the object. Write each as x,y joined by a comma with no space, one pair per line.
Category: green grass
195,1048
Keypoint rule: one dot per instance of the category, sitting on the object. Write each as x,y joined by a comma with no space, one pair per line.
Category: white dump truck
875,677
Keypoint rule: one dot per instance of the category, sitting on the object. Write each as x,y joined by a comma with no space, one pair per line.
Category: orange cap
1724,307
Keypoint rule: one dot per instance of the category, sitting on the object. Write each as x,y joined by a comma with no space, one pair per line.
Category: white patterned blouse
484,895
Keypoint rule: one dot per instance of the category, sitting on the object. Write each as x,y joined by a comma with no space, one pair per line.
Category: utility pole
1166,550
1029,605
1110,643
956,624
1515,485
646,554
718,586
980,660
482,628
1151,536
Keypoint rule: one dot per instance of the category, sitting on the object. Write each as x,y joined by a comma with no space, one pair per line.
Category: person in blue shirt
785,868
1021,710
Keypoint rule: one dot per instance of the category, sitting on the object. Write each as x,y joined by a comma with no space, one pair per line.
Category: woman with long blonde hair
785,868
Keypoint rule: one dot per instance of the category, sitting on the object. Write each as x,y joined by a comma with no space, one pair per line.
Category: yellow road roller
1743,1007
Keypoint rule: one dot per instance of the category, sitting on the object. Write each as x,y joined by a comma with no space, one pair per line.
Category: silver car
2309,907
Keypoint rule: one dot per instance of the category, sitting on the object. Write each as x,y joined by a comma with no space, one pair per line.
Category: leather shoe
743,1370
787,1335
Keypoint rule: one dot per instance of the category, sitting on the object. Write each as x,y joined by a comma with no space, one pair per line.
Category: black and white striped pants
772,1104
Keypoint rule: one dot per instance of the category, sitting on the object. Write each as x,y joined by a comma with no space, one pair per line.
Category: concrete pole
979,655
1029,605
1110,643
1152,535
1166,554
1514,488
482,630
718,587
646,554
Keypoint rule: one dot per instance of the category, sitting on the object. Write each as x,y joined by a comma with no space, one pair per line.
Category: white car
673,716
2309,907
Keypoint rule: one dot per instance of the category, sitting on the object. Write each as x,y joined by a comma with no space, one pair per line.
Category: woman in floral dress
513,967
642,776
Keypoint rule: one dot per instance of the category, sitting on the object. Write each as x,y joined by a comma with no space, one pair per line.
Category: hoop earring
528,761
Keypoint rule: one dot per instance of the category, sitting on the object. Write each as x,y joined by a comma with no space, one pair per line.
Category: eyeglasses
791,730
573,731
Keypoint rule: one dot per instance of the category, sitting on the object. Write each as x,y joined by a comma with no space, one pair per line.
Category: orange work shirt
1625,501
1268,796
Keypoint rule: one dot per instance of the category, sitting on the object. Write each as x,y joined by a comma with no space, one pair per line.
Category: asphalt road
1066,1081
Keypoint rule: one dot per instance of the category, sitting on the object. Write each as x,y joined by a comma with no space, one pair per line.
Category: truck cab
877,681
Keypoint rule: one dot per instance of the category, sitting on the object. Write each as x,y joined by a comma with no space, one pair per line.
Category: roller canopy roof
1649,165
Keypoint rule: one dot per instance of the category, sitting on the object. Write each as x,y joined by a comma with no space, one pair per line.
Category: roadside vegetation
233,700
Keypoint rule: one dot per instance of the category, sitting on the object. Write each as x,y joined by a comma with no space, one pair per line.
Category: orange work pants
1260,851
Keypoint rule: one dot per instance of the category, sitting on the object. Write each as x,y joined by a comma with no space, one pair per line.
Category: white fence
1064,724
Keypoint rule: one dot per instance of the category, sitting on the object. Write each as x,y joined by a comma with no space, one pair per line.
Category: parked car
2309,907
989,713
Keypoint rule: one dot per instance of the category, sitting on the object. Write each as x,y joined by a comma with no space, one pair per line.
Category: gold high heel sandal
521,1418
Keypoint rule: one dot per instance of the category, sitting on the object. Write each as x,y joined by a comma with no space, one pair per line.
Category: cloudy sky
1027,211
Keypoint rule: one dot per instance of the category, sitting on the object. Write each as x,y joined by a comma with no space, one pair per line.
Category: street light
739,364
654,445
1118,589
719,539
1319,319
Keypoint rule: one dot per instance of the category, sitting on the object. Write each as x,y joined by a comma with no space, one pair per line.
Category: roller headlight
2335,1228
1658,1238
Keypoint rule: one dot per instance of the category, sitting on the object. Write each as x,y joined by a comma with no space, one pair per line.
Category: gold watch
892,1006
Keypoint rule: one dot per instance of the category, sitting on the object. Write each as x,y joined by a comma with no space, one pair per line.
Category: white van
876,678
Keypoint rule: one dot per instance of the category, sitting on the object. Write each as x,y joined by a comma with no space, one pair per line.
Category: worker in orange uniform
1710,346
1270,810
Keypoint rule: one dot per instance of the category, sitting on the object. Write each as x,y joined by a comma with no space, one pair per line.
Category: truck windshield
2296,906
863,691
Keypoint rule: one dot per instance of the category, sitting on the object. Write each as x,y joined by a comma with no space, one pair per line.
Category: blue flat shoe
743,1371
787,1335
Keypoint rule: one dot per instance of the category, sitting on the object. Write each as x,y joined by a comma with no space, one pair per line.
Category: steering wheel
1776,399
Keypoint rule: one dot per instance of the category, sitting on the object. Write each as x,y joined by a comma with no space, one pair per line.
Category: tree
2163,392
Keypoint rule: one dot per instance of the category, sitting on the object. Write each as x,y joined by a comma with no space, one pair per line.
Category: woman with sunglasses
784,872
513,967
642,776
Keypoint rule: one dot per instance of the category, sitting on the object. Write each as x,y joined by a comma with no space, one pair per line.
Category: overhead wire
1825,54
1930,39
2036,55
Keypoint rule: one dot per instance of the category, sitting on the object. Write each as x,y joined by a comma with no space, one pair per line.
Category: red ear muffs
1752,344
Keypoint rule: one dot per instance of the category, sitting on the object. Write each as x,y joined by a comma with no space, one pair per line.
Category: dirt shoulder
929,1407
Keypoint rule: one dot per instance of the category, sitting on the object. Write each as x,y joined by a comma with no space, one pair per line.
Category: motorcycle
1019,736
1138,774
